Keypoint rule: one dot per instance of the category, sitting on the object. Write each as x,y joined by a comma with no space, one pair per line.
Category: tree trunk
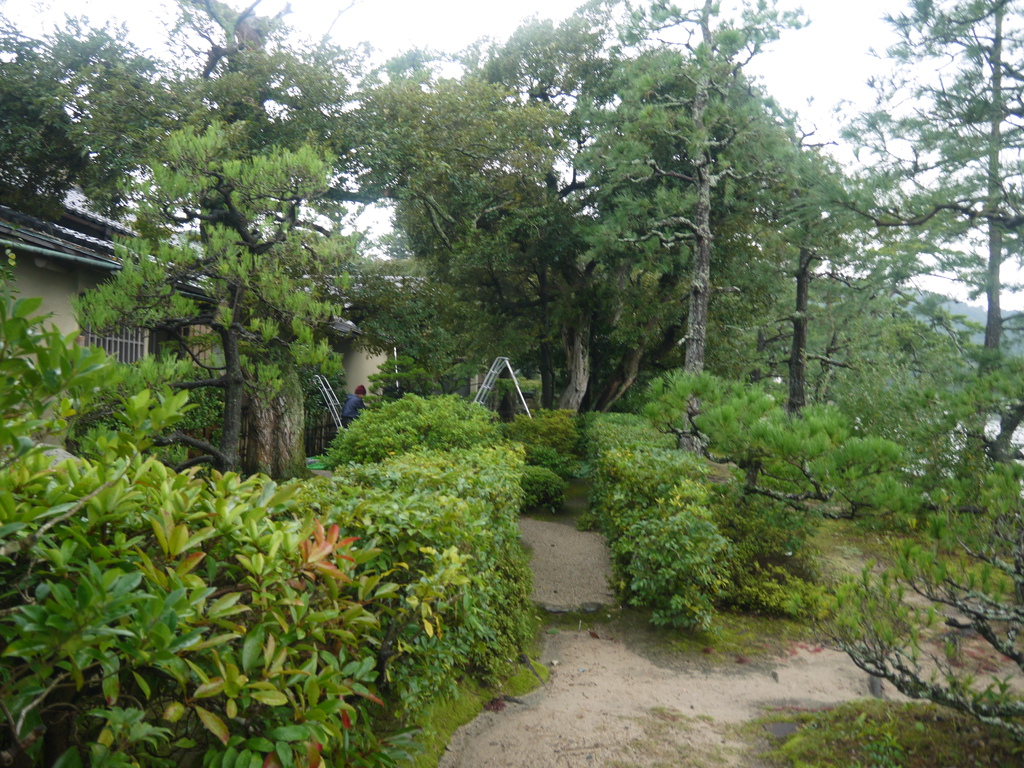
234,393
547,376
626,372
276,420
576,341
700,289
798,351
547,362
993,282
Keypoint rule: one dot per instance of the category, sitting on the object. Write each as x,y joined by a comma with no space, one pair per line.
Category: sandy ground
610,703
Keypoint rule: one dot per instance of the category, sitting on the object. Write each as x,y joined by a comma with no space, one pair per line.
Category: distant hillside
977,315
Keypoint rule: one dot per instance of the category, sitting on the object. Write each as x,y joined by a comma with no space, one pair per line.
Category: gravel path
571,569
610,704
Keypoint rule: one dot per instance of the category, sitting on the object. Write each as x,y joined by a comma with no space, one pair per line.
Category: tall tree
81,107
712,113
947,150
238,206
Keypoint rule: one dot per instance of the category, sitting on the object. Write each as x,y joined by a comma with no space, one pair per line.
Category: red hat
360,390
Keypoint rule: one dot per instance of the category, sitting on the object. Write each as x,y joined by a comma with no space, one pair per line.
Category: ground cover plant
869,734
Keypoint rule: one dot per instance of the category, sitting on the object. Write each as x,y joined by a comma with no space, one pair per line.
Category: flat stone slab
782,730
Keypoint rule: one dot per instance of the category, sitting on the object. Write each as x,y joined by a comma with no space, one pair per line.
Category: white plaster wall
55,283
359,366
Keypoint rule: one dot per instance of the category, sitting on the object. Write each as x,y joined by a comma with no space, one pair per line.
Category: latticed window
125,345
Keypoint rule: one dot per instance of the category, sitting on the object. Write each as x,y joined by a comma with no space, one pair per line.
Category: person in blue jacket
353,405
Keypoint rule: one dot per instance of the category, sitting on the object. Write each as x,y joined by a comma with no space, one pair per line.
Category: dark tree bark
798,349
576,341
277,428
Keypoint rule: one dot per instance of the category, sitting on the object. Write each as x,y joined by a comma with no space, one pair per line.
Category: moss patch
877,733
735,636
445,717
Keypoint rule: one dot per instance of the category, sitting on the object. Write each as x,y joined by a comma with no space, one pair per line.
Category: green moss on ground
445,717
887,735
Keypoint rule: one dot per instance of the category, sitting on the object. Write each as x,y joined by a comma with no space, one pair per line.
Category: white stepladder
330,398
485,389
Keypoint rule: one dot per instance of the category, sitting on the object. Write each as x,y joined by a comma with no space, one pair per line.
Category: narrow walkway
606,706
571,568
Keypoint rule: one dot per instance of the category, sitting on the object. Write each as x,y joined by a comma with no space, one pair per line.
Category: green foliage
463,502
413,423
621,430
652,505
245,184
402,375
967,567
148,615
68,124
42,374
815,457
769,570
881,734
543,489
668,559
201,419
551,438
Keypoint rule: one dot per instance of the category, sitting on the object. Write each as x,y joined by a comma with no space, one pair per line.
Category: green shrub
543,489
624,482
551,440
669,560
769,570
652,505
603,431
554,429
153,618
417,504
413,423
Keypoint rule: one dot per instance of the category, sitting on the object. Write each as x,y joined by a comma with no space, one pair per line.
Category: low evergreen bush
551,438
418,507
683,546
413,423
602,431
770,570
652,505
543,489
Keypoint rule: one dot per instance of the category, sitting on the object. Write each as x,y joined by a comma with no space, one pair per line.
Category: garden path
619,697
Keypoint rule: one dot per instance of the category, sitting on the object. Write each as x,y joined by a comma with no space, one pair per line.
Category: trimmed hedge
651,504
551,438
413,423
602,431
416,506
543,489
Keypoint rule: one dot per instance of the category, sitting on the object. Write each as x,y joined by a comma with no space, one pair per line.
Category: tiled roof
58,238
75,200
